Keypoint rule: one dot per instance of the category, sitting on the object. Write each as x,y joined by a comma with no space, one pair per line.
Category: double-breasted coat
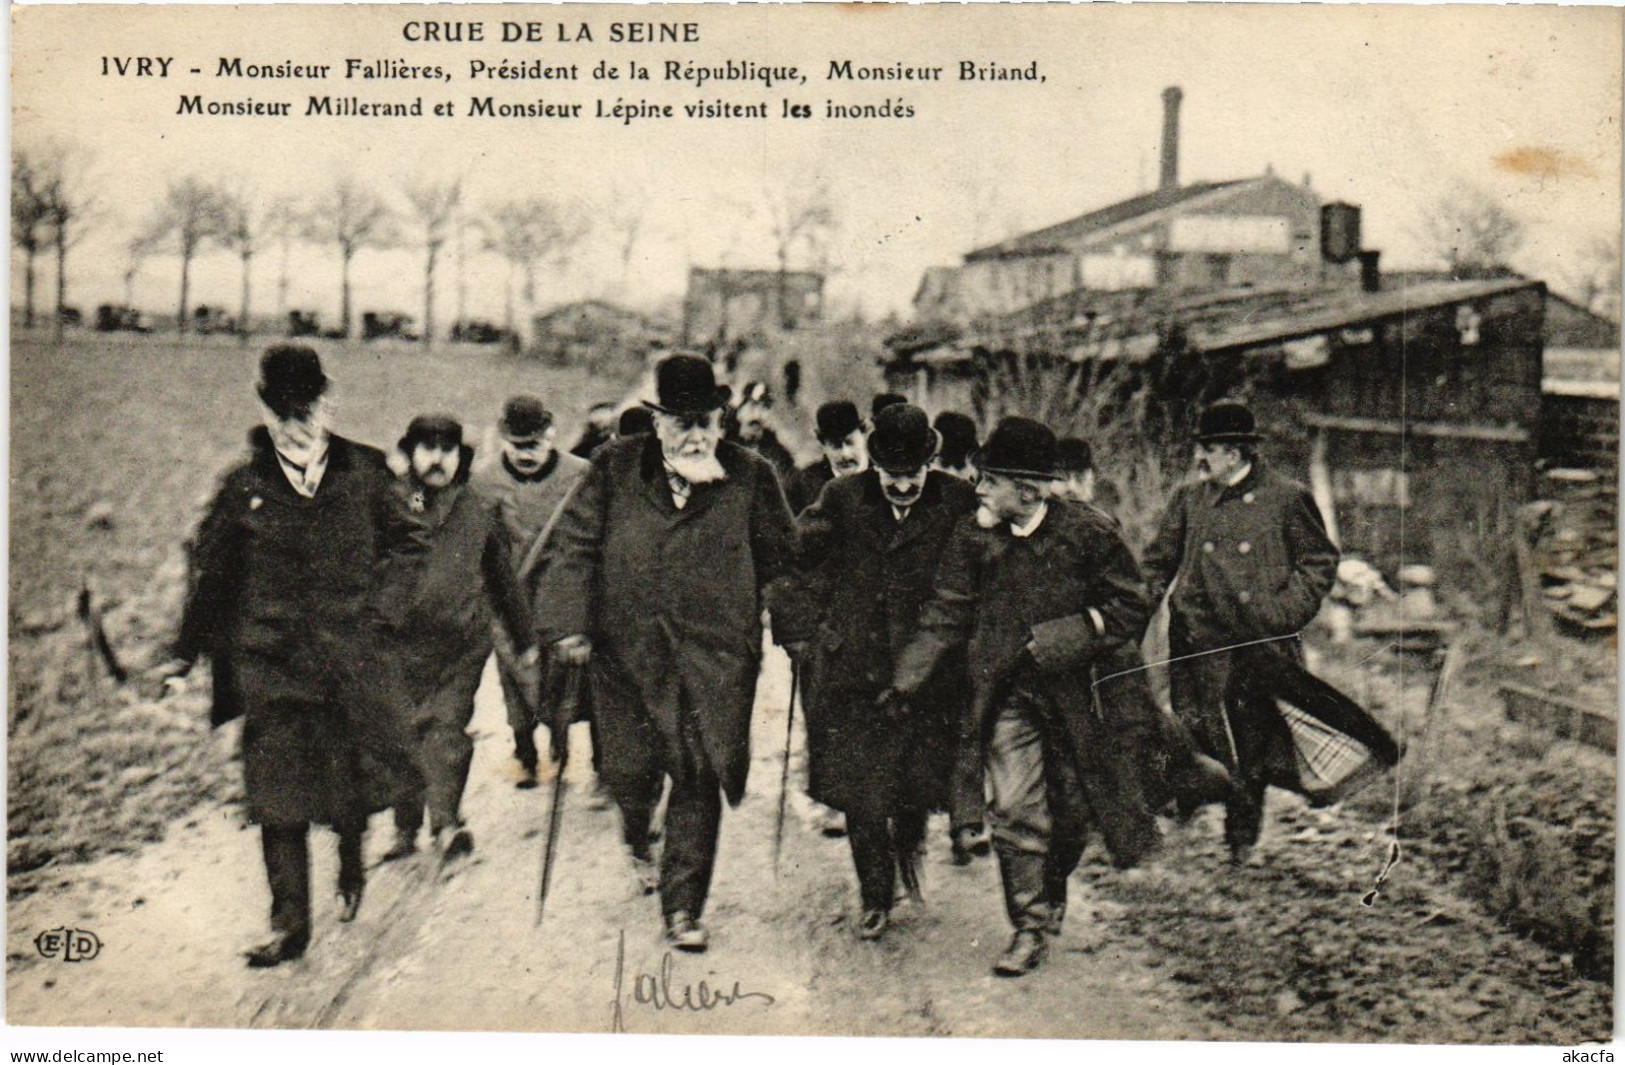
672,600
864,578
1054,612
282,602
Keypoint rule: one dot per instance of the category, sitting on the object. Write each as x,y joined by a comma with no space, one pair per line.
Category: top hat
958,436
439,428
1019,447
524,419
902,439
1227,422
686,384
838,420
291,378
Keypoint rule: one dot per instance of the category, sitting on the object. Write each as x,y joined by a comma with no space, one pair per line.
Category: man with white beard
659,561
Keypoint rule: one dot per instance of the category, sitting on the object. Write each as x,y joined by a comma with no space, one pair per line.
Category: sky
1386,107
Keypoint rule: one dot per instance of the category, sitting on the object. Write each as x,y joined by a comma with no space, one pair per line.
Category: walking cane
555,811
784,774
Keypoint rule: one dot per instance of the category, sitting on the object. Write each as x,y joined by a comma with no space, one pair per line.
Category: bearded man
659,563
528,485
438,600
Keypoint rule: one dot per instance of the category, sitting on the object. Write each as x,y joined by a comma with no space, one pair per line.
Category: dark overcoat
437,597
282,601
864,577
1253,559
802,489
1056,612
672,600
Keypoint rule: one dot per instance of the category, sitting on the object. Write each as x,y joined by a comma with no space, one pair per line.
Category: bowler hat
291,378
902,439
1226,422
438,428
1019,447
524,419
1074,455
882,400
958,437
838,420
686,384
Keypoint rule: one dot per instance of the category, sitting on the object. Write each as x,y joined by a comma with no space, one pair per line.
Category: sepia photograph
1086,523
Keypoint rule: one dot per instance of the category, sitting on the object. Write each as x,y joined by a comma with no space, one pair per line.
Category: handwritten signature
661,992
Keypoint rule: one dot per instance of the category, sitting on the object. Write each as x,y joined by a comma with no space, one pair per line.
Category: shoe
350,903
832,824
460,845
646,873
874,923
685,933
527,777
1206,781
405,846
1052,924
599,798
281,947
1026,950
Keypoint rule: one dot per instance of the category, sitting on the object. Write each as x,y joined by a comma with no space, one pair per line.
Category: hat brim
1227,438
1027,475
900,463
719,401
523,438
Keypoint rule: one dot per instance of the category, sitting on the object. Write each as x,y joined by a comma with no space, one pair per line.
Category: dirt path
464,952
1188,949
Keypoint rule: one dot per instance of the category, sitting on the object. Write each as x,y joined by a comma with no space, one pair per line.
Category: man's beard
435,477
698,469
898,499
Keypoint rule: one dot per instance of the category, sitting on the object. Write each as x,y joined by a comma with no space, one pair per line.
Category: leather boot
1023,955
1026,897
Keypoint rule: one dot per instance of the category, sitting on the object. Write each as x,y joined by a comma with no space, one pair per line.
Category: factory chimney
1170,137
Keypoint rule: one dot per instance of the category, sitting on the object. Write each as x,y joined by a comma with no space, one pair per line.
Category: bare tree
797,216
625,213
1594,278
30,218
244,230
1472,232
434,208
528,234
282,224
191,213
351,217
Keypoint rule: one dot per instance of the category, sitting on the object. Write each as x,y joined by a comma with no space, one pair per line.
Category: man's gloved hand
531,659
893,705
573,650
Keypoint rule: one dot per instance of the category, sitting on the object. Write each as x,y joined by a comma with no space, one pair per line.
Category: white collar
1240,475
305,480
1023,531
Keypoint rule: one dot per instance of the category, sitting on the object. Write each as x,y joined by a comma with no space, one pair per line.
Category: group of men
963,623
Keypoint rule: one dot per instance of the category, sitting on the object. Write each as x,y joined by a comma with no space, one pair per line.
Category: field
116,445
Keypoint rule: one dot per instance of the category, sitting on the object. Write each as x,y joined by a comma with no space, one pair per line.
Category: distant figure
792,381
634,420
959,443
840,436
883,400
748,428
283,602
1075,461
600,428
438,603
1252,560
528,485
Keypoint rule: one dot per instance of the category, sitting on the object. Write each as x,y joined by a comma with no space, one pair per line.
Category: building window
1218,269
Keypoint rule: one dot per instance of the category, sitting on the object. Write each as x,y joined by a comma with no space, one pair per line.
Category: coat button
1207,546
1245,597
1244,547
1247,497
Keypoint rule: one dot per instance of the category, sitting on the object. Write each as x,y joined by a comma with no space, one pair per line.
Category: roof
1061,235
755,276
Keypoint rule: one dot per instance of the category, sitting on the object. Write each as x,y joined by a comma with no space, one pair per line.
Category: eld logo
69,944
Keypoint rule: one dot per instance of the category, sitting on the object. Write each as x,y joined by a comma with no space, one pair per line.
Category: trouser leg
446,748
518,700
871,842
1257,727
637,799
693,818
287,868
1019,813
